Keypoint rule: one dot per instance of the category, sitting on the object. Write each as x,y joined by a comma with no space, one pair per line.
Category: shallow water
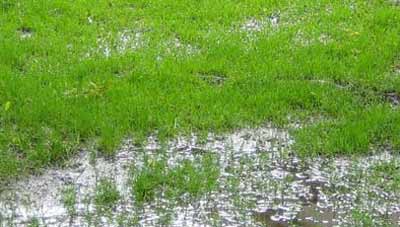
261,183
25,32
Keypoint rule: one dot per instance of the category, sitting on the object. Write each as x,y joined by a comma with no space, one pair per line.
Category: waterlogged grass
34,223
106,196
390,172
68,199
192,178
74,71
361,218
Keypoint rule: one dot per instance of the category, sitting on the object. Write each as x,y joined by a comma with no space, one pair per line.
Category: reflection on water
261,183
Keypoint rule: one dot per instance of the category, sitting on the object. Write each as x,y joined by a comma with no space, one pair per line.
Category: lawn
78,71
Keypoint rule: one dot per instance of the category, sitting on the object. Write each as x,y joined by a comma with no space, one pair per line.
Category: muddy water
261,183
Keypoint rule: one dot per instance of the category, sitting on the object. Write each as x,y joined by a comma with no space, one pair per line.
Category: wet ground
261,183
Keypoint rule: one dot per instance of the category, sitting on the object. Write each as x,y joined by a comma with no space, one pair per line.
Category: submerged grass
68,199
106,196
192,178
387,171
72,71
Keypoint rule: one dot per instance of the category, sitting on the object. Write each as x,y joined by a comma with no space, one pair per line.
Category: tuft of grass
192,178
34,223
389,173
148,180
106,196
68,198
365,219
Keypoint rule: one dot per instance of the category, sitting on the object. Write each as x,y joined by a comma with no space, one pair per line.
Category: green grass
106,196
34,223
332,60
353,134
192,178
388,171
365,219
68,199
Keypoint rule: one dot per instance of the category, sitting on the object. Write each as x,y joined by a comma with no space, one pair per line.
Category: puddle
257,25
309,38
177,47
395,2
265,25
261,183
109,44
396,67
213,77
121,42
393,98
25,32
309,216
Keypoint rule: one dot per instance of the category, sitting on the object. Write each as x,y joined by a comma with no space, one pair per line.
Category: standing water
260,182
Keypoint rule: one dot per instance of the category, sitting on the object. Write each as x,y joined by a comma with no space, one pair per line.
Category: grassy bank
74,71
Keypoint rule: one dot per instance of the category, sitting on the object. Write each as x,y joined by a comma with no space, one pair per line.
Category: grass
354,134
106,195
192,178
388,171
74,71
362,218
34,223
68,198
